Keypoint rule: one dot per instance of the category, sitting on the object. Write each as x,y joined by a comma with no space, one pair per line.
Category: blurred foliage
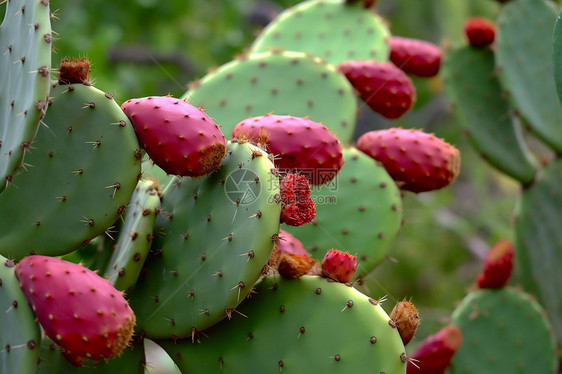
150,47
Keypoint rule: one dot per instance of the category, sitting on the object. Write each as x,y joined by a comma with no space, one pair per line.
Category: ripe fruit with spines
416,160
415,56
339,266
497,265
298,208
385,88
96,321
298,144
434,354
179,137
480,32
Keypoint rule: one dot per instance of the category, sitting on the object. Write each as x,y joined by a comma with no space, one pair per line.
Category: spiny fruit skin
416,160
479,31
433,355
78,309
382,86
497,266
406,317
339,266
298,207
416,57
179,137
298,144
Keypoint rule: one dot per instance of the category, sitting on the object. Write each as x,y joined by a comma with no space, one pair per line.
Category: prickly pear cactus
214,236
524,59
20,336
333,30
485,114
285,83
135,237
538,239
294,326
51,360
25,64
79,177
504,331
368,198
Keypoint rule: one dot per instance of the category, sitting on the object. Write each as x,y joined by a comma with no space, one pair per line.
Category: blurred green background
149,47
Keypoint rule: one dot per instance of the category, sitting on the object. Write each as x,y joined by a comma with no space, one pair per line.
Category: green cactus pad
360,212
330,29
214,236
25,63
309,325
538,238
504,331
135,237
96,254
285,83
51,360
485,114
80,174
524,59
20,335
557,55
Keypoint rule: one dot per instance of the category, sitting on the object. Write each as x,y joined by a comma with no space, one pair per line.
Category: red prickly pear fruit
290,257
416,160
289,244
81,311
433,355
416,57
179,137
339,266
298,207
298,144
385,88
497,266
406,317
479,31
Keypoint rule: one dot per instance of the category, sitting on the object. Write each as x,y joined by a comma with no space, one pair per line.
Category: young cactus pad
285,83
359,212
330,29
504,331
81,173
20,335
214,236
25,63
485,114
524,59
297,326
135,237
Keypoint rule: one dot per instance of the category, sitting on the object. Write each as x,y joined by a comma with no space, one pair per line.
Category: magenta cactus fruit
78,309
497,266
179,137
339,266
433,355
416,57
290,244
479,31
416,160
385,88
298,145
298,207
